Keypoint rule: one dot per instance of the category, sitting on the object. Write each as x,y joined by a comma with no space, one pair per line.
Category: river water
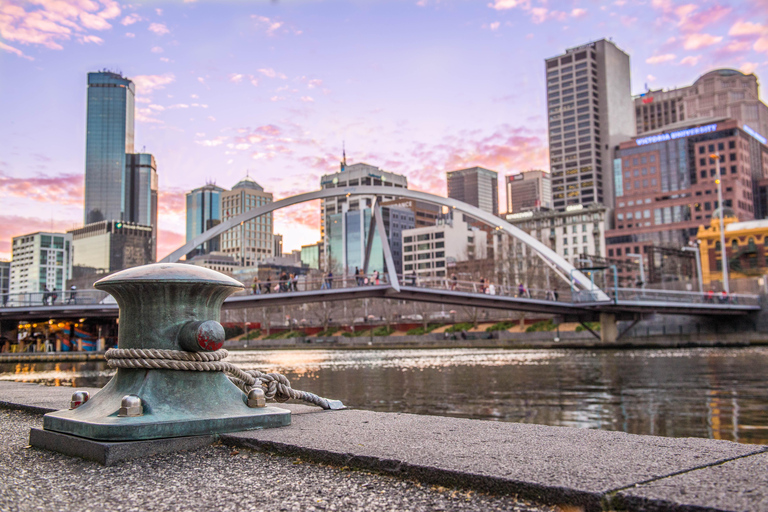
719,393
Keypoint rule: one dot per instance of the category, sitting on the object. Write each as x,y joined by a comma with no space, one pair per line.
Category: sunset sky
274,88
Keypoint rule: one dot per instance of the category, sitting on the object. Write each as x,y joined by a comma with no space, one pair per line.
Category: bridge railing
55,298
488,288
651,295
305,284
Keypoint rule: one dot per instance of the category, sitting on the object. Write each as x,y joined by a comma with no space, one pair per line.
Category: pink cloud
168,241
693,21
748,67
17,225
65,189
172,201
130,19
578,13
159,28
690,60
146,84
14,51
658,59
747,28
50,23
501,5
696,41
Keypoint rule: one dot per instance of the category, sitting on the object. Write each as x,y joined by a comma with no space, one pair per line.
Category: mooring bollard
170,380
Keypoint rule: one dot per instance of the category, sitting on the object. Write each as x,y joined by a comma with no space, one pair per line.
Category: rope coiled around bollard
275,385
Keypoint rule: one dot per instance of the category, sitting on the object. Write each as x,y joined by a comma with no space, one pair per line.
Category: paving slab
548,464
738,485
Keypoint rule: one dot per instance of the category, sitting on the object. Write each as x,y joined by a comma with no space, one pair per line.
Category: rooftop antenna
343,156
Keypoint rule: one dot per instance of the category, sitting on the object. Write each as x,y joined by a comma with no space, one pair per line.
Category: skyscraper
590,112
203,213
120,185
476,186
109,137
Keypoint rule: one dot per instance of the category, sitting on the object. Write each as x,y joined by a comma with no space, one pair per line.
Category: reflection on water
715,393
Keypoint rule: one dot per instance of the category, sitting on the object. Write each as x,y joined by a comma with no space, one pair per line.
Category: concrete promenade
494,465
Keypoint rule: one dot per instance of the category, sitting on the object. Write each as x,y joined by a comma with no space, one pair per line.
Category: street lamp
697,251
719,181
642,267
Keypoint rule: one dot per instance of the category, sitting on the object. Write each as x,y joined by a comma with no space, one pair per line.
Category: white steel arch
547,254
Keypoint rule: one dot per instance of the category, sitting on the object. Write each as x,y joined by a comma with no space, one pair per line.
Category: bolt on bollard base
160,305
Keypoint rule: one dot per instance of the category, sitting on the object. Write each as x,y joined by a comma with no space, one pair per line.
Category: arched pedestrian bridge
581,299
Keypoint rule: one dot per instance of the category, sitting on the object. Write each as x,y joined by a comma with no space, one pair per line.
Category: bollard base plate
175,404
108,453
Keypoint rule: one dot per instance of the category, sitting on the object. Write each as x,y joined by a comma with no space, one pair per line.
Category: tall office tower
277,248
252,241
119,184
722,93
203,213
352,176
40,261
590,112
476,186
529,191
141,193
109,137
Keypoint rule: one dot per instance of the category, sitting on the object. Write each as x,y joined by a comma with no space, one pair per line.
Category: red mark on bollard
207,343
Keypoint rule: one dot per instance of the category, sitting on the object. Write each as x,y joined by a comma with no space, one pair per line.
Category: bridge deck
653,303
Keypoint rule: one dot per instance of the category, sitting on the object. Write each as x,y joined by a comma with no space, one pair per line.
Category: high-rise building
529,190
721,93
40,261
354,175
590,112
119,184
277,249
109,137
203,213
666,183
252,241
476,186
141,173
111,245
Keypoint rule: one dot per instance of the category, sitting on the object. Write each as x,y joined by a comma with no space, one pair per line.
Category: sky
274,89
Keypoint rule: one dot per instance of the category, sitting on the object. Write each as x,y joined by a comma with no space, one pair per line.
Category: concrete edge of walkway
431,475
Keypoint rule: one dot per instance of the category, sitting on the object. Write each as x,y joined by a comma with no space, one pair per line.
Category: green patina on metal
156,301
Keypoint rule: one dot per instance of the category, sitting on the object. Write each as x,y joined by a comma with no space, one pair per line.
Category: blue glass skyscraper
203,213
110,136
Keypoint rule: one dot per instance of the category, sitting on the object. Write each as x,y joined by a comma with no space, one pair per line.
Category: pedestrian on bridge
72,295
255,287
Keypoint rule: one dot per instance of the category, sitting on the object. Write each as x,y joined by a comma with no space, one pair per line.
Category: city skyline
276,89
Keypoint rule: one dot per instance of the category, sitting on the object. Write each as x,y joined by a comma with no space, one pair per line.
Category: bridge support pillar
609,329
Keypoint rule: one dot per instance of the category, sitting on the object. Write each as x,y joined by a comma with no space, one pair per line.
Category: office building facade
434,250
5,280
111,245
721,93
424,214
348,233
252,241
571,233
590,111
203,213
40,261
666,183
530,190
476,186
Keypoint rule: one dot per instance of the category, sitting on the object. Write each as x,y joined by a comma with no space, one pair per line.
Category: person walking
255,287
72,295
376,277
454,282
295,282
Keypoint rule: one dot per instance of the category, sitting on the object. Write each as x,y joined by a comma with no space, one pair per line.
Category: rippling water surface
714,393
